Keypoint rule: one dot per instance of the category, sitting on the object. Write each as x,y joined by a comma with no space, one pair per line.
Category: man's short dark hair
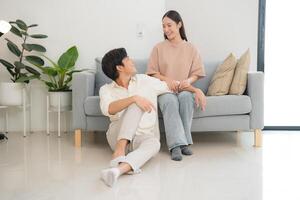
110,61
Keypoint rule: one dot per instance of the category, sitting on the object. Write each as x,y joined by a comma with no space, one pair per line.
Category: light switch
140,30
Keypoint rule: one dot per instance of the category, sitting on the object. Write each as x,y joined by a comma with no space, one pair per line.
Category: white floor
224,166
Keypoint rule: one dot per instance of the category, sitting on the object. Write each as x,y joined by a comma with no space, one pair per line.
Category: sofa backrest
210,69
141,66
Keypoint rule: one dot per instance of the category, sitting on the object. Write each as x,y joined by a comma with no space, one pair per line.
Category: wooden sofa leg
78,138
257,138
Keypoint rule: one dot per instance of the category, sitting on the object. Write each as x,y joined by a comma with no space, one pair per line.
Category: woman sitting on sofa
177,62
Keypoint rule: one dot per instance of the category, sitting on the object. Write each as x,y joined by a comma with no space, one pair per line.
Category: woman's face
171,28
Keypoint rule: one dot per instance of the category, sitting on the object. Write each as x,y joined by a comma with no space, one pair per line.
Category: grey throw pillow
100,77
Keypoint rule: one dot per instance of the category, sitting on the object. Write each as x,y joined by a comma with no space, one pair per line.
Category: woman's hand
144,104
200,99
173,85
184,84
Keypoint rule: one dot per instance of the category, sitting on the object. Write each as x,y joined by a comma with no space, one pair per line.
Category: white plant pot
11,94
65,99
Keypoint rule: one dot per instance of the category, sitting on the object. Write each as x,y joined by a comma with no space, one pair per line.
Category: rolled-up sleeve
159,86
105,99
197,68
153,63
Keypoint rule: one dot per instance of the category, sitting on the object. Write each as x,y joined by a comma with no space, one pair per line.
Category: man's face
128,66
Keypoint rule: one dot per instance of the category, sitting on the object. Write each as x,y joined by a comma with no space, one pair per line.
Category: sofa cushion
225,105
216,106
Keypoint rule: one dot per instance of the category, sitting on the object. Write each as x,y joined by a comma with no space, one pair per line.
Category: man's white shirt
142,85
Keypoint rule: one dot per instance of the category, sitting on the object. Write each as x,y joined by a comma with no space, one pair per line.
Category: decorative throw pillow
239,81
221,80
100,77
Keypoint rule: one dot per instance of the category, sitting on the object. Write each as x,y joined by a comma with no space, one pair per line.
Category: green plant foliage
20,71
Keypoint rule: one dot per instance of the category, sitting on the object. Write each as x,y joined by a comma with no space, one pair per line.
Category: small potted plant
21,71
59,76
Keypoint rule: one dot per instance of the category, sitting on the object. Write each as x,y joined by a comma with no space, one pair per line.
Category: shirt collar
132,80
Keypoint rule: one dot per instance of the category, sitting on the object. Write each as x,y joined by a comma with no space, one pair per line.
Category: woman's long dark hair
175,16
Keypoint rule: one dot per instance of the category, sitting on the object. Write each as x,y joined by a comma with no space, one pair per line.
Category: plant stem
55,81
21,58
52,79
61,81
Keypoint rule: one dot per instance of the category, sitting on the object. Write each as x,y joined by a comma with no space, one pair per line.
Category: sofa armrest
255,88
83,85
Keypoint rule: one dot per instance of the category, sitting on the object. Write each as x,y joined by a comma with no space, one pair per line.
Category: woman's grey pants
177,111
141,147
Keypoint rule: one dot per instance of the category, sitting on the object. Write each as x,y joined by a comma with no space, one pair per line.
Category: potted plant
59,76
20,70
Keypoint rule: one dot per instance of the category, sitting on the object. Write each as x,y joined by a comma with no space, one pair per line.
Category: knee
134,108
155,144
186,97
168,101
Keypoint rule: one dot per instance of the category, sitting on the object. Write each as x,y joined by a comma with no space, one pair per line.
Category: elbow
110,110
153,74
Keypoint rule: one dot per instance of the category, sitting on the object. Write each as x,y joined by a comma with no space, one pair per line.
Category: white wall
216,27
95,26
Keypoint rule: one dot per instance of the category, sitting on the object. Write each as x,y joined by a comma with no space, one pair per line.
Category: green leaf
19,65
62,88
35,60
21,24
65,88
70,73
34,47
17,71
38,36
50,85
60,70
32,70
26,78
51,61
50,71
12,73
13,48
24,33
6,64
26,47
68,80
69,58
32,25
15,31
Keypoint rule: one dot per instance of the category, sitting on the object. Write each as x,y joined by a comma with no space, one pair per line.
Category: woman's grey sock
186,151
176,154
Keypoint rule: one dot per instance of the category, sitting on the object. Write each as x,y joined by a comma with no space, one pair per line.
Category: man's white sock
110,176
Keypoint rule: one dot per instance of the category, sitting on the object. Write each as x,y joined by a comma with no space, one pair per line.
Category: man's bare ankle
117,154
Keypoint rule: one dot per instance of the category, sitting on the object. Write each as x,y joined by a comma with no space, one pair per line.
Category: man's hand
200,99
144,104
